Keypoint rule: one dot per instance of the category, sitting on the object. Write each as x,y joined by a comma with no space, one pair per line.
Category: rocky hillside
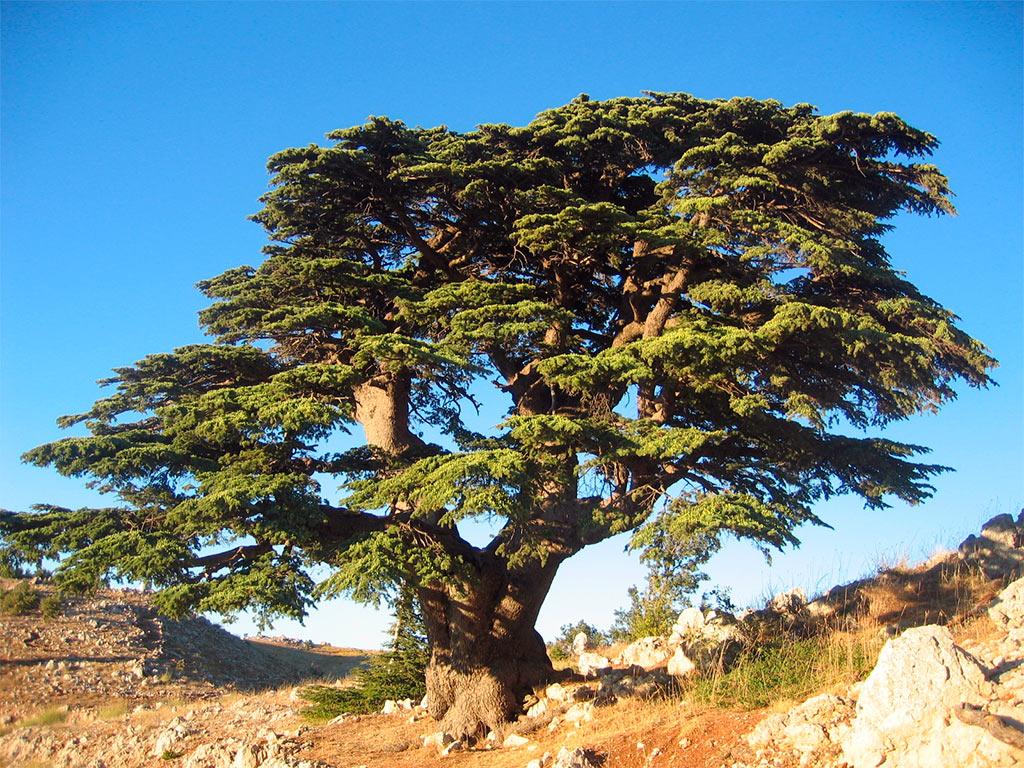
114,646
947,688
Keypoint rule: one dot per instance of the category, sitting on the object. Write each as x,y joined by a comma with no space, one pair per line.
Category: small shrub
19,601
651,612
46,718
326,702
397,673
51,606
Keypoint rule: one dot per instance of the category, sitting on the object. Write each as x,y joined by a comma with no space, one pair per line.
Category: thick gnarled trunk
486,656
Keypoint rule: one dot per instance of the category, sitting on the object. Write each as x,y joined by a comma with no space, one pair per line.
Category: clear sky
134,138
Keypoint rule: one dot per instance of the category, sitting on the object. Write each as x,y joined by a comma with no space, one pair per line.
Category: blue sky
134,138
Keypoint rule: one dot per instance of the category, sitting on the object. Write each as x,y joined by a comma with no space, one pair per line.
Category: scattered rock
576,758
514,740
538,709
790,603
580,713
439,739
679,665
556,692
999,549
170,738
579,643
812,730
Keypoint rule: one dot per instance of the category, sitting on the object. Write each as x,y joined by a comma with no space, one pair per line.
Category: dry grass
46,718
614,734
949,592
788,671
115,710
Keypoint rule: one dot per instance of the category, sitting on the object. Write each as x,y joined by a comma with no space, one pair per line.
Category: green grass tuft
788,671
46,718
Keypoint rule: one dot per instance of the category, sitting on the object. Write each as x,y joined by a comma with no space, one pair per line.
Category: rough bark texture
486,655
382,407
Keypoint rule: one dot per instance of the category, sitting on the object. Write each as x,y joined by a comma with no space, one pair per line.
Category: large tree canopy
686,304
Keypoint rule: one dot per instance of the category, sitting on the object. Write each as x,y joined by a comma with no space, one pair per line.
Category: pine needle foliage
19,600
687,305
397,673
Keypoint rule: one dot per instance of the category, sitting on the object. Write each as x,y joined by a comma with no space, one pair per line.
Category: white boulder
590,663
647,652
906,708
1007,611
579,643
679,665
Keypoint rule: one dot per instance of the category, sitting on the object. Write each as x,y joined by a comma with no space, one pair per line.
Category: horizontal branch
229,557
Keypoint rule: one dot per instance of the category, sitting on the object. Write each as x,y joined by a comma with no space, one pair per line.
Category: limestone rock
680,665
169,739
906,705
633,682
999,549
647,652
1008,609
440,739
813,729
514,740
211,756
690,621
579,643
790,603
538,709
580,713
590,663
576,758
556,692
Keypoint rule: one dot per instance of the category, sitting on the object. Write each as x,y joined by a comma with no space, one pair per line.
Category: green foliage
45,718
326,702
560,648
652,611
786,671
397,673
687,305
51,606
10,566
19,600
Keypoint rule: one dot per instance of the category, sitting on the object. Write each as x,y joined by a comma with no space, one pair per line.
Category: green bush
651,612
19,601
397,673
51,606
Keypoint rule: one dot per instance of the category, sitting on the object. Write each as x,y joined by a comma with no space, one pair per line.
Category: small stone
555,692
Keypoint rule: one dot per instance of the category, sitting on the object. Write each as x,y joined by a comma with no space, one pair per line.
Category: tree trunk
486,656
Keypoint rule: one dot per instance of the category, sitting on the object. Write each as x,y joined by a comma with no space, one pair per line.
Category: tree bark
382,407
486,656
